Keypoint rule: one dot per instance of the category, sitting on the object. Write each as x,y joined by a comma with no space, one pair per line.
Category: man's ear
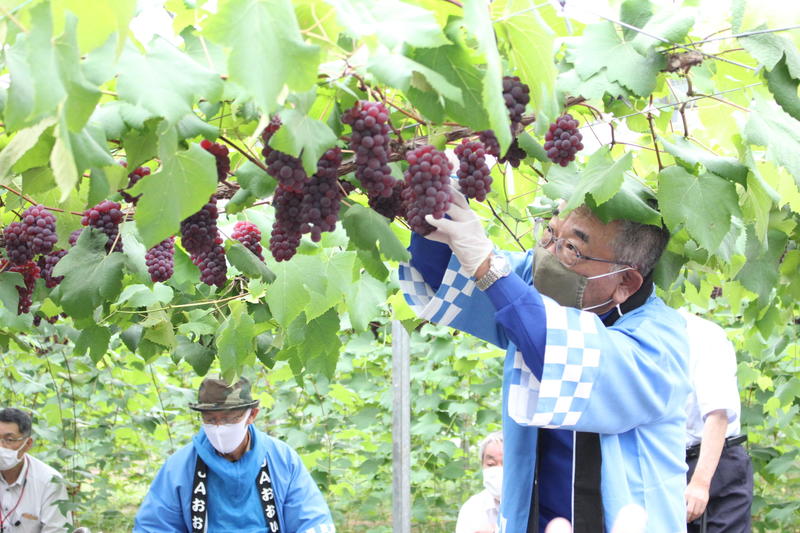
631,282
27,446
253,414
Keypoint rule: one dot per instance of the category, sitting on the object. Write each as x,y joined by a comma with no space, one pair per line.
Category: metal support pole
401,430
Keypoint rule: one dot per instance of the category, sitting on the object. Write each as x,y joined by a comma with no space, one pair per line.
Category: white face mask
8,459
227,437
493,480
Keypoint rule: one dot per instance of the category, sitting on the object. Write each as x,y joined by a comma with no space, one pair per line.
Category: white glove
462,232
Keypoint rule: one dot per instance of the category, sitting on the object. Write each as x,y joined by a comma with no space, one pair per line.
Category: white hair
497,436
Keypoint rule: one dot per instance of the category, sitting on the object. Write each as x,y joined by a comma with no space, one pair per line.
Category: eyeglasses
566,252
11,441
222,420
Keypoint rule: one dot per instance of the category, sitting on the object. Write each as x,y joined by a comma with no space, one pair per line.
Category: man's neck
237,454
12,475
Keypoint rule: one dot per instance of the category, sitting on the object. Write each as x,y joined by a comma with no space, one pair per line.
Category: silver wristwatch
498,268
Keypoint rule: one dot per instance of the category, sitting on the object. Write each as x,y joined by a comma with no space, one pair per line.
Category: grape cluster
563,140
369,141
46,265
287,170
391,207
516,95
40,229
473,173
273,126
285,236
17,248
106,216
133,179
199,230
514,155
212,265
427,189
160,260
319,209
74,236
30,273
490,143
250,236
220,153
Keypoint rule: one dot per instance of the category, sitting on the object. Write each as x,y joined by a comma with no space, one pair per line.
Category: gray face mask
566,287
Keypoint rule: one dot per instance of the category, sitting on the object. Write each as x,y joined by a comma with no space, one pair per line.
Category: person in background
479,513
232,477
30,490
720,477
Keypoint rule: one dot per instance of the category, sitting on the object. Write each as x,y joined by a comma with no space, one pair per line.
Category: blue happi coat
565,369
234,505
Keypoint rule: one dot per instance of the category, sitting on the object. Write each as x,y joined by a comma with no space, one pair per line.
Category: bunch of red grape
273,126
369,141
473,173
516,95
250,236
427,187
46,265
319,209
160,260
212,265
40,229
220,153
391,207
17,248
285,236
563,140
106,216
133,179
198,231
287,170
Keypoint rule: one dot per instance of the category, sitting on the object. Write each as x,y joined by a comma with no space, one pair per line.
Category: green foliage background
716,142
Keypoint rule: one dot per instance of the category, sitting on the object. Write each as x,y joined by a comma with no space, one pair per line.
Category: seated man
479,513
595,376
232,477
30,491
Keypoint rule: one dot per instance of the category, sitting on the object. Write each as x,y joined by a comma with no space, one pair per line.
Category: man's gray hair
497,436
639,245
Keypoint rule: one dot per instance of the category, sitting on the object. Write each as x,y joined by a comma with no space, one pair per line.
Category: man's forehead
9,429
582,223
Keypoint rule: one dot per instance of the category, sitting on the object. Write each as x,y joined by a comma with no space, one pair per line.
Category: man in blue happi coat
232,477
594,383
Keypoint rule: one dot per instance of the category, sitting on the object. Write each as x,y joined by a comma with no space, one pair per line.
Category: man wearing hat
232,477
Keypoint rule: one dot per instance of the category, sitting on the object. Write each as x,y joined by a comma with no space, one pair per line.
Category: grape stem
653,133
236,147
503,222
34,202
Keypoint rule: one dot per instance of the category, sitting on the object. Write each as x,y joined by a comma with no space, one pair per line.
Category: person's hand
696,496
462,232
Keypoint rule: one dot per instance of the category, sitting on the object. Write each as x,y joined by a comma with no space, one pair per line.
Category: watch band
498,268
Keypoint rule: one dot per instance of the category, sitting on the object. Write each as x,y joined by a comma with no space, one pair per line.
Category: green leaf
304,137
198,356
143,296
62,160
770,48
770,126
531,49
370,231
784,87
403,73
90,275
248,263
132,336
159,330
704,205
82,96
601,47
455,64
689,154
532,147
165,81
187,178
760,273
287,295
364,298
234,340
392,22
635,13
267,51
141,145
670,24
478,21
95,339
23,141
9,295
633,201
99,19
601,178
319,352
254,180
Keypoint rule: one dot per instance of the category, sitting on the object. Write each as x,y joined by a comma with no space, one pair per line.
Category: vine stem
653,133
236,147
503,222
176,306
161,402
739,35
34,202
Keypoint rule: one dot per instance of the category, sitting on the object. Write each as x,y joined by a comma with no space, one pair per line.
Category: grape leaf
392,22
187,178
670,24
287,296
9,295
95,339
770,126
770,48
760,272
304,137
403,73
370,231
90,275
703,204
19,145
267,51
784,87
248,263
364,298
99,19
689,155
198,356
234,341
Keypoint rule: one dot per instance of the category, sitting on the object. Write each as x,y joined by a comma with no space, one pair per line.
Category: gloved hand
462,232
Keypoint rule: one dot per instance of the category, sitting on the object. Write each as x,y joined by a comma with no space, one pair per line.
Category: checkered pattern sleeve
457,302
598,379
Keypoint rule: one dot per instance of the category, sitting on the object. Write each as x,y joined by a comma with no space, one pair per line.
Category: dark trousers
730,495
